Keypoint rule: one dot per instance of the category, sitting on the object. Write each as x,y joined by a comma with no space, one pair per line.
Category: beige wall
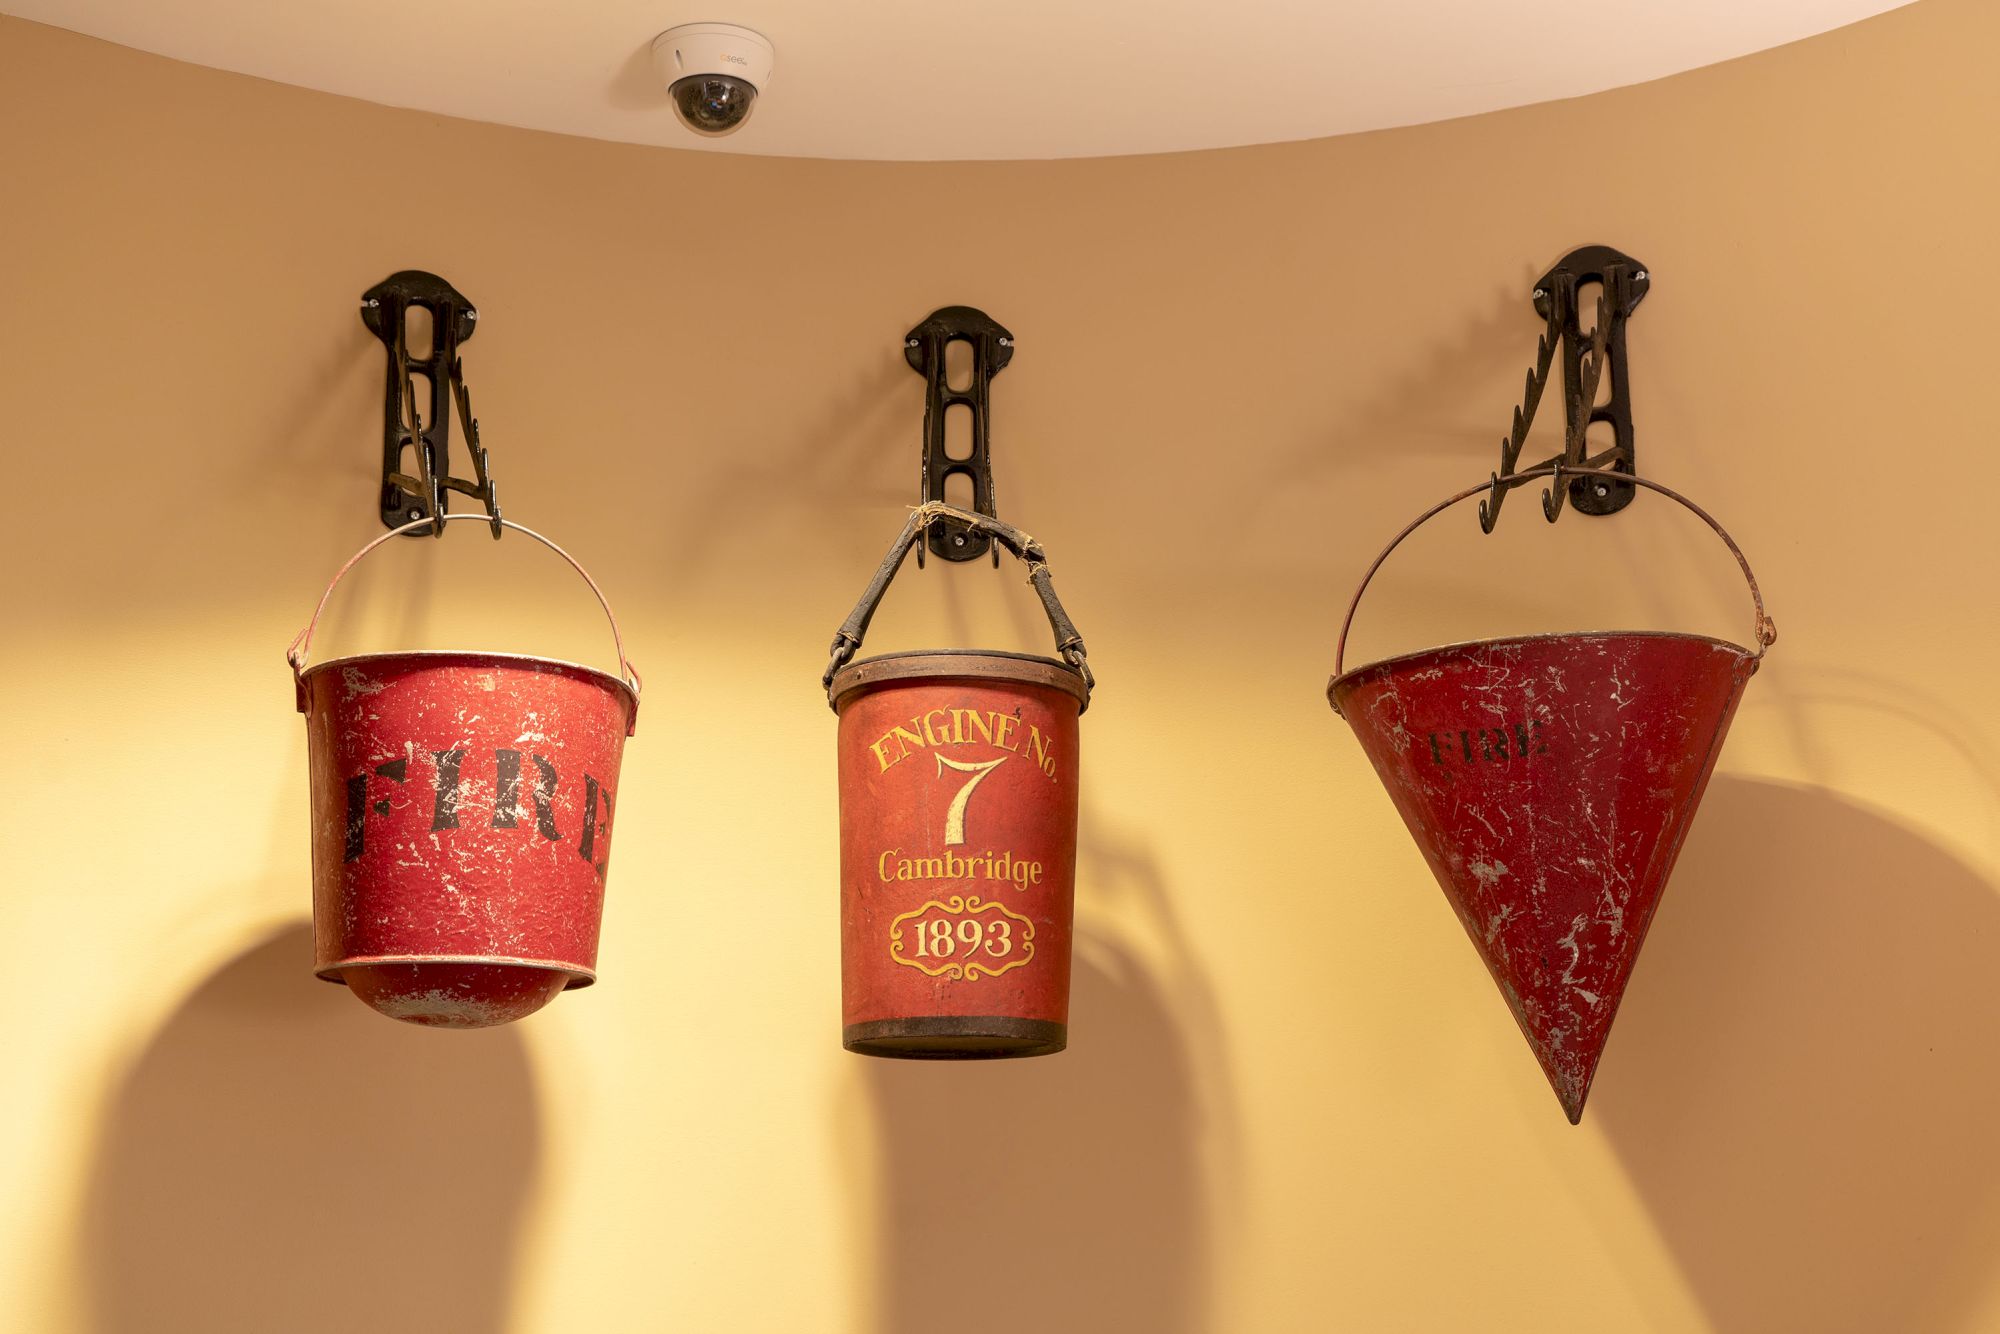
1293,1102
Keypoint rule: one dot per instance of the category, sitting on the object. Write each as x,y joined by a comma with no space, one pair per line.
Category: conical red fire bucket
461,820
958,804
1549,781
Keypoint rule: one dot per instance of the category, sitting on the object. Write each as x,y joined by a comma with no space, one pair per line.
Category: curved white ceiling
932,79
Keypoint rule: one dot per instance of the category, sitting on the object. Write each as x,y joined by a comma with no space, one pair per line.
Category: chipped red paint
958,803
1549,782
462,808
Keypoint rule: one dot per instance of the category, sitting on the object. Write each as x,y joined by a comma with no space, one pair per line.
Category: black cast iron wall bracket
1623,283
422,490
924,348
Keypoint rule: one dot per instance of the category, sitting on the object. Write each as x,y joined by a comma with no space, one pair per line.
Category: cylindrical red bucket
957,852
462,809
958,823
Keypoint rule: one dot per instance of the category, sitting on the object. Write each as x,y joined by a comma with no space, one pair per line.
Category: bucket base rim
956,1038
331,972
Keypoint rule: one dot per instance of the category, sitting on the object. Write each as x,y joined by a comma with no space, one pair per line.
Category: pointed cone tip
1572,1100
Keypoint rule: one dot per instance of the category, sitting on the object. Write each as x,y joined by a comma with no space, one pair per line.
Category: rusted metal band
956,1037
956,664
1069,643
579,977
301,643
1766,629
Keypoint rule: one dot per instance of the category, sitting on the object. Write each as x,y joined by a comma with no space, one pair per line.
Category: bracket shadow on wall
1622,284
422,492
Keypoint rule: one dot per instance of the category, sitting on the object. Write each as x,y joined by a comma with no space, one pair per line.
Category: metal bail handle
302,642
1069,643
1767,629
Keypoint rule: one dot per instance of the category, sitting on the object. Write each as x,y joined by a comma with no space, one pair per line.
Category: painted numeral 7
954,816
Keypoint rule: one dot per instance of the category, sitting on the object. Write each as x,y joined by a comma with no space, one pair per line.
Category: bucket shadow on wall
1808,1083
1056,1194
1064,1193
281,1159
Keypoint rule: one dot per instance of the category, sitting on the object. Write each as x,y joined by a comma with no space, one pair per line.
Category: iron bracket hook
411,494
924,348
1586,359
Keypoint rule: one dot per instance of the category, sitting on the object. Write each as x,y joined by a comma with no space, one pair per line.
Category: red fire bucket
958,799
1549,781
461,820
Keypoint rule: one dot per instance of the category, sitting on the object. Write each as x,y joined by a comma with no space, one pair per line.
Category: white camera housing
714,72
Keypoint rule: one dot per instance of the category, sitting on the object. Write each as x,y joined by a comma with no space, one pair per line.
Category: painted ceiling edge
668,133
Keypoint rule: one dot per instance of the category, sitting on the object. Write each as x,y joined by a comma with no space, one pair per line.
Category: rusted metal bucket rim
1508,641
933,664
483,657
578,977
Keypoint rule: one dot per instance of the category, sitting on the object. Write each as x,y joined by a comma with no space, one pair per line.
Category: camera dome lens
712,103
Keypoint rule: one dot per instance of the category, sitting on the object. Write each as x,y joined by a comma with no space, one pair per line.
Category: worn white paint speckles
443,1009
1553,858
533,731
357,684
476,889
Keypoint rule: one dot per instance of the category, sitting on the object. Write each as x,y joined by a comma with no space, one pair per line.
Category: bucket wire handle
1069,643
1767,629
296,653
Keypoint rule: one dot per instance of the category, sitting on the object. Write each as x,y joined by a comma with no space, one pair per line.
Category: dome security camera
713,73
